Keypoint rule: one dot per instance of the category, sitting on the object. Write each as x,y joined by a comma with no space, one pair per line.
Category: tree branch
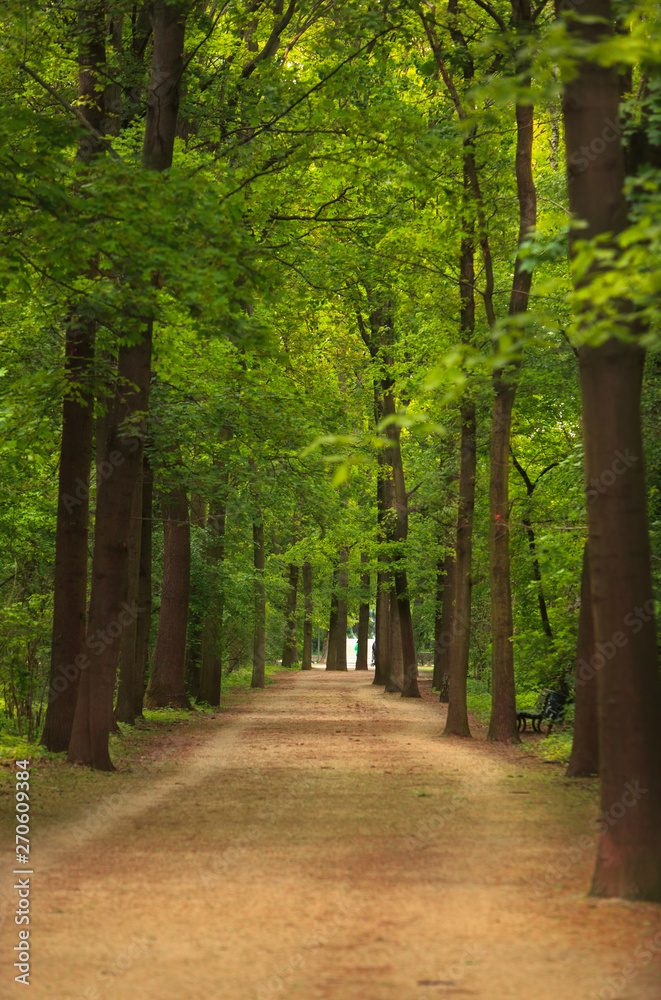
72,109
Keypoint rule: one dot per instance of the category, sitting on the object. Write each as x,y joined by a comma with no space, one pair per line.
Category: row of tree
293,281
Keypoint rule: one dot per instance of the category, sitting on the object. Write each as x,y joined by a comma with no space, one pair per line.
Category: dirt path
327,843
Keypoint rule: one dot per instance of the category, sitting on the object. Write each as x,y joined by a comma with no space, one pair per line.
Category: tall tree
531,486
125,705
502,724
332,648
340,662
110,570
168,670
290,648
584,759
400,530
144,590
259,633
68,655
443,625
306,660
395,662
457,718
212,636
629,852
363,617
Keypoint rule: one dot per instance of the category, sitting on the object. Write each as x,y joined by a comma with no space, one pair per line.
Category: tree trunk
212,636
259,635
331,652
363,618
167,67
537,576
342,608
68,655
290,649
532,544
584,759
110,612
144,590
167,681
93,718
457,717
383,579
125,707
444,628
306,662
395,677
629,853
112,124
379,337
629,857
323,659
400,529
502,725
382,642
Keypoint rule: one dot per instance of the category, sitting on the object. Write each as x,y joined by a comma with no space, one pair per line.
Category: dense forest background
309,288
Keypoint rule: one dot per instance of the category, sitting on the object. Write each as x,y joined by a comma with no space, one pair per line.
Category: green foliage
312,185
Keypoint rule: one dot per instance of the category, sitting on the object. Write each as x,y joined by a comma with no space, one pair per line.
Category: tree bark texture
331,651
212,635
395,677
290,649
110,612
93,718
169,29
444,626
532,544
399,530
306,661
382,629
384,580
363,618
339,661
457,717
379,337
168,671
502,725
259,635
629,692
125,705
584,759
68,650
143,628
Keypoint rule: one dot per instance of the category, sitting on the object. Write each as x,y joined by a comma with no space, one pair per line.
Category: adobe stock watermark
620,464
249,836
642,956
96,644
634,620
104,470
573,855
581,158
427,829
282,975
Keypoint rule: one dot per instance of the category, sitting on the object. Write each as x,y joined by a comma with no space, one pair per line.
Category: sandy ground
324,841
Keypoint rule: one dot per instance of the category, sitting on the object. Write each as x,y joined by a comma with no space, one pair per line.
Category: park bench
551,707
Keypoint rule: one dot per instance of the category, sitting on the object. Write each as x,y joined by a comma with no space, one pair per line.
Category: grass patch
130,742
555,748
